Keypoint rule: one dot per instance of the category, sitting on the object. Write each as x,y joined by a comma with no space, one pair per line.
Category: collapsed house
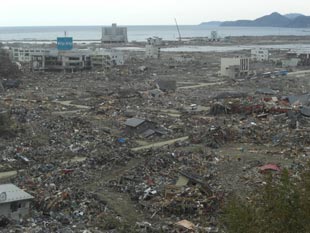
14,202
142,127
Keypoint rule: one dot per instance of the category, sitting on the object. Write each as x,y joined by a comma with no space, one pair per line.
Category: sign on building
64,43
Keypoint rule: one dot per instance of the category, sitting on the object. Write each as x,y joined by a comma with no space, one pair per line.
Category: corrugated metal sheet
11,193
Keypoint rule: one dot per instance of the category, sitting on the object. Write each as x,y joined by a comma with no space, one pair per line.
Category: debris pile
109,151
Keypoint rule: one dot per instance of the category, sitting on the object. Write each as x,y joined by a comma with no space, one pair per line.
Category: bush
282,206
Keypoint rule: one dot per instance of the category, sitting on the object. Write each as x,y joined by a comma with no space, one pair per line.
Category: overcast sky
139,12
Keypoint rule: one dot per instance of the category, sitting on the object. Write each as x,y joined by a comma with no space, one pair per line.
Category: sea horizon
142,32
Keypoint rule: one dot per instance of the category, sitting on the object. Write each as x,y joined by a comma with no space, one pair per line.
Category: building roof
299,100
134,122
10,193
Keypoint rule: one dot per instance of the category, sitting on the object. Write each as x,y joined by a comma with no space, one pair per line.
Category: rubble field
65,140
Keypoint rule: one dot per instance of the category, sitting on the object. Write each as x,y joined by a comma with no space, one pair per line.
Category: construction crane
176,23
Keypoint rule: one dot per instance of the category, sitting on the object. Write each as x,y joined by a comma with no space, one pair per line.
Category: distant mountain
300,22
293,15
273,20
238,23
211,23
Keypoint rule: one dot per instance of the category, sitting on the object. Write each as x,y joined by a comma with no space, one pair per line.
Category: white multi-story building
107,57
152,51
260,54
61,60
152,47
77,59
235,66
114,34
24,54
155,41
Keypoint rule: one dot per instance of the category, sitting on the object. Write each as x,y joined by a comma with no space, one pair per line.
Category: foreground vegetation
281,206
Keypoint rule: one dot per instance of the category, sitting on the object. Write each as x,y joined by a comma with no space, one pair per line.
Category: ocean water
140,33
235,48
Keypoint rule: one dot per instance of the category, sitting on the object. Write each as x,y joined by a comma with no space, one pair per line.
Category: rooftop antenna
176,23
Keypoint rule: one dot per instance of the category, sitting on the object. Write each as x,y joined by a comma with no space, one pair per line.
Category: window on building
15,206
74,58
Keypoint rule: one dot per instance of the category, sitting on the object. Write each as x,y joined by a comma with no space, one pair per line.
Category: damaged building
152,47
106,58
142,127
54,60
14,202
21,54
235,67
260,54
302,55
71,60
214,36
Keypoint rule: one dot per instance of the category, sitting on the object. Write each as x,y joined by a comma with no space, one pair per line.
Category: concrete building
235,67
42,59
24,54
77,59
14,202
152,51
260,54
303,55
152,48
106,58
53,60
155,41
114,34
214,36
292,62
